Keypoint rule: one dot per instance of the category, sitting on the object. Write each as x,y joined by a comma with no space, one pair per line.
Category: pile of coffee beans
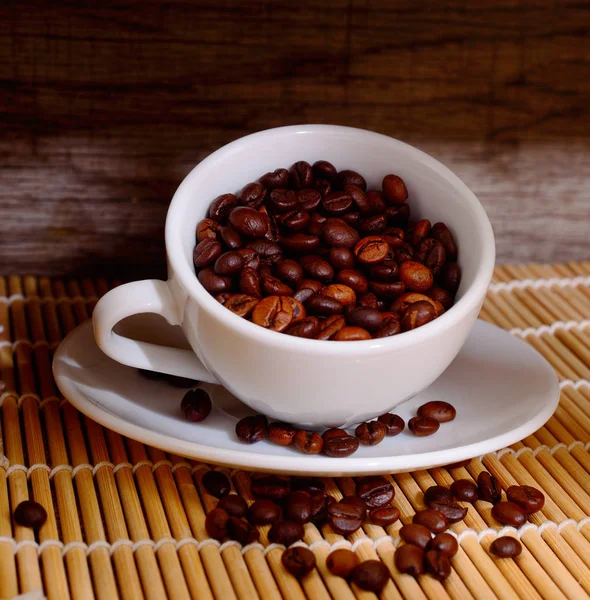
310,252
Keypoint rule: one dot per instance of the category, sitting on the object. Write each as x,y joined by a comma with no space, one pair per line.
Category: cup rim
184,271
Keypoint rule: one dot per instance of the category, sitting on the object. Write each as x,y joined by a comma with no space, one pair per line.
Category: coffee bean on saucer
216,523
29,513
270,487
345,518
309,442
370,575
264,512
394,424
298,561
375,490
437,564
409,559
285,532
384,515
452,511
509,513
415,534
252,429
281,434
433,520
488,488
233,505
298,506
371,433
506,547
216,483
437,493
423,426
464,490
445,543
439,410
196,405
339,447
341,562
528,498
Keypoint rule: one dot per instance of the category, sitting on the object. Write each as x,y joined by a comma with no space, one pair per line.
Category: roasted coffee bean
434,255
323,305
264,512
376,202
417,315
367,318
464,490
405,300
319,507
308,199
323,186
301,175
295,220
251,258
341,562
489,488
231,238
421,231
453,512
273,312
196,405
272,286
345,518
343,293
330,327
285,532
281,434
322,169
305,328
216,483
207,228
423,426
29,513
341,446
370,575
370,434
390,290
394,424
309,442
298,561
506,547
361,202
353,279
348,177
336,203
437,493
409,559
351,334
316,224
368,300
341,259
375,490
374,225
371,249
394,236
298,506
403,252
229,263
273,232
248,221
241,531
252,429
451,276
270,487
250,282
509,513
386,271
351,218
311,485
418,535
234,506
440,295
301,243
394,189
354,499
282,201
398,215
269,253
384,515
445,543
214,284
437,564
528,498
416,276
432,519
439,410
390,326
252,195
334,432
222,206
442,233
206,252
279,178
216,523
337,233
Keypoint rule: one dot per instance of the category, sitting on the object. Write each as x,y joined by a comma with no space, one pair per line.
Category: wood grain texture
105,107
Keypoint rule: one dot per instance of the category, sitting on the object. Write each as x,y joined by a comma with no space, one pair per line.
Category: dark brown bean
390,326
29,513
442,233
394,189
241,531
528,498
509,513
451,276
316,224
341,447
301,175
374,225
384,515
489,488
423,426
348,177
439,410
222,206
418,535
417,315
345,517
206,252
305,328
341,258
368,300
341,562
281,434
207,228
337,233
308,199
268,253
216,523
251,258
196,405
351,334
272,286
353,279
371,249
464,490
390,290
309,442
252,195
273,233
398,215
330,327
445,543
214,284
386,271
298,561
337,203
432,254
229,263
270,487
432,519
370,434
354,499
437,564
231,238
216,483
370,575
394,424
323,305
441,295
368,318
360,199
298,506
273,312
322,169
282,201
421,231
506,547
234,506
375,490
279,178
264,512
343,293
289,271
319,507
403,252
300,243
248,221
437,493
416,276
323,186
407,299
250,282
351,218
409,559
453,512
285,532
252,429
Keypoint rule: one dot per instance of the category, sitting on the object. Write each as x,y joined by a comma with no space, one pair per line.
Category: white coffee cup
308,382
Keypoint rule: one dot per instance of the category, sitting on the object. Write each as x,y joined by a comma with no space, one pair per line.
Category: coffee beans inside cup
312,253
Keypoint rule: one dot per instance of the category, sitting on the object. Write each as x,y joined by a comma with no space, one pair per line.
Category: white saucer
503,390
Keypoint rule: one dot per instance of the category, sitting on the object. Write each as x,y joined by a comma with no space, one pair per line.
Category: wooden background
105,106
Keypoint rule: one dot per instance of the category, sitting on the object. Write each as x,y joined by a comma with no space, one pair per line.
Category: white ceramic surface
503,391
311,382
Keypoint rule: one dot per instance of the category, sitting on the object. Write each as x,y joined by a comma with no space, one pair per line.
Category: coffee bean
269,253
319,507
354,499
273,312
368,300
394,189
241,531
214,284
451,277
298,561
394,424
341,562
367,318
390,326
445,543
341,259
250,282
359,198
322,169
290,272
196,405
370,575
423,426
384,272
295,220
216,483
453,512
439,410
281,434
279,178
437,493
282,201
222,206
389,290
528,498
398,215
416,276
231,238
415,534
315,227
343,293
301,175
240,304
353,279
371,249
330,327
489,488
348,177
311,485
464,490
345,517
433,520
341,446
323,186
305,328
374,225
252,429
337,233
252,195
271,286
323,305
352,334
401,304
370,434
307,288
207,228
216,523
206,252
298,506
351,218
442,233
440,295
437,564
417,315
29,513
432,254
376,202
409,559
509,513
317,268
309,442
403,252
384,515
251,258
285,532
270,487
375,490
264,512
248,222
506,547
234,506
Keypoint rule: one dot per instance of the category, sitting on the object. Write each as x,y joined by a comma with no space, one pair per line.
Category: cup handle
148,296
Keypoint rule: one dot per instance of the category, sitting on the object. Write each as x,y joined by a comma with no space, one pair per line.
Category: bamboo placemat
127,521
